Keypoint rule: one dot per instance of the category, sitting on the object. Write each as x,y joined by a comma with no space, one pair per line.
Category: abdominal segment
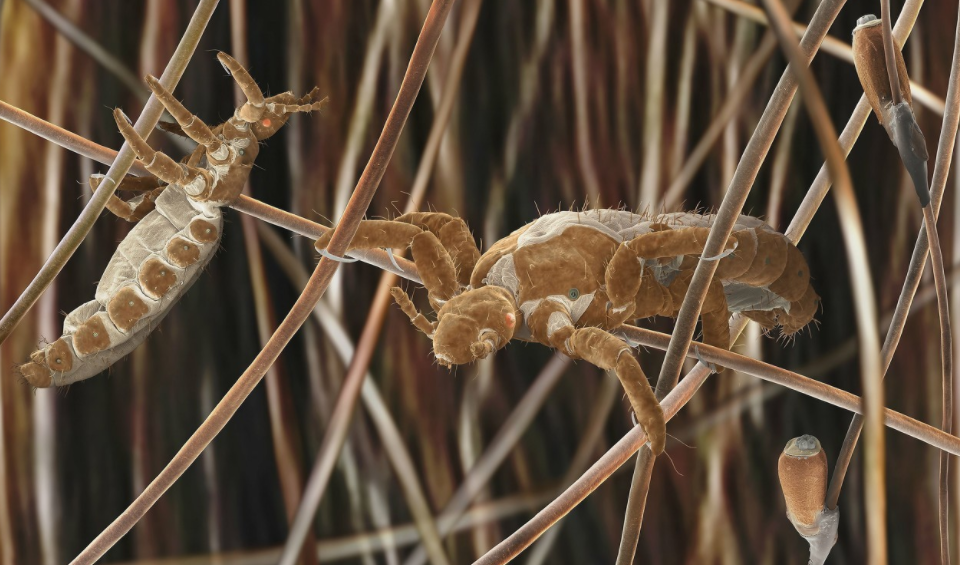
153,266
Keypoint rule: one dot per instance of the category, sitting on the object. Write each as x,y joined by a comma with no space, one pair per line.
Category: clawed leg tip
656,433
227,61
119,115
711,366
336,258
657,447
393,260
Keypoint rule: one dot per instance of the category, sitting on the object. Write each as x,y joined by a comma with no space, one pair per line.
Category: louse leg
550,324
715,318
252,110
624,273
191,125
436,267
714,315
418,319
131,183
372,234
133,210
652,299
455,237
434,263
193,180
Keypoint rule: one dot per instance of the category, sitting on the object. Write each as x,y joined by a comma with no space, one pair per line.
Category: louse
569,279
179,226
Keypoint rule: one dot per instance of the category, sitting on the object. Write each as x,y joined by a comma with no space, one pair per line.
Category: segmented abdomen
153,266
765,278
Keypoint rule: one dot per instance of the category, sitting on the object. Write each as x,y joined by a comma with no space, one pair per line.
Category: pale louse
179,227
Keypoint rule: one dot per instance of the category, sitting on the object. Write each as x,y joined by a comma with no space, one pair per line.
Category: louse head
270,122
274,115
264,116
474,324
278,108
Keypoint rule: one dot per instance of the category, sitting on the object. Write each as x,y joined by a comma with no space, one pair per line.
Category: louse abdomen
766,278
153,266
770,262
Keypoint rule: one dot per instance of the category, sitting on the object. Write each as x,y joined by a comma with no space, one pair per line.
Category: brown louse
569,279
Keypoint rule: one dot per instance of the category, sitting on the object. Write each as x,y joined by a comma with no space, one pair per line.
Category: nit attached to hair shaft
896,115
803,477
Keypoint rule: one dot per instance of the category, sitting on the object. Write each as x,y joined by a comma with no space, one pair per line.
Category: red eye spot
511,320
266,122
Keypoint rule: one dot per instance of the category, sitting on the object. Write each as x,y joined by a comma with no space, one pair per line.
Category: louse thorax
228,163
474,324
238,145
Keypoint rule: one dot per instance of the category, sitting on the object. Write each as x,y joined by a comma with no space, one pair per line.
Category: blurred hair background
561,104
